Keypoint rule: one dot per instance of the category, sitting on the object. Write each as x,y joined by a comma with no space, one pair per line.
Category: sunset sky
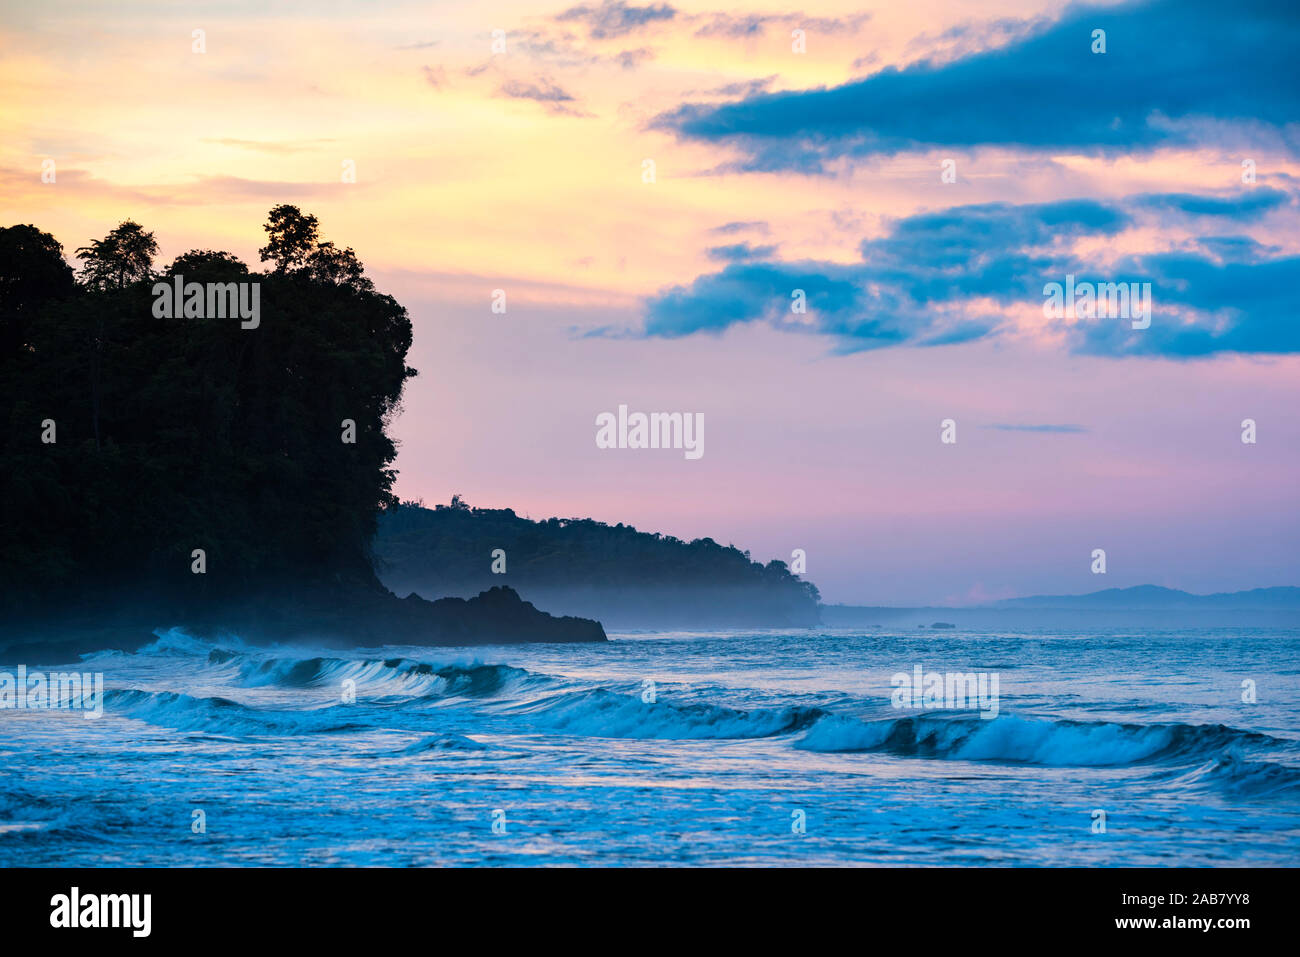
773,170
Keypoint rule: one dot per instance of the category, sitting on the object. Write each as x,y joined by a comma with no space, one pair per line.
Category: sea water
1108,748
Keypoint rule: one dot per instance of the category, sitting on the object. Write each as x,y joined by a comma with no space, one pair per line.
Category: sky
650,185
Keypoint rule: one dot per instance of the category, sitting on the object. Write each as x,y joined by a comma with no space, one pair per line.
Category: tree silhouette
32,272
292,238
327,263
204,263
185,433
122,257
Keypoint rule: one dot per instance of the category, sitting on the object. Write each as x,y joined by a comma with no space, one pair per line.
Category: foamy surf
692,750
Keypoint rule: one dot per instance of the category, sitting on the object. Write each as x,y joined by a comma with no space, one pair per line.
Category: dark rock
340,617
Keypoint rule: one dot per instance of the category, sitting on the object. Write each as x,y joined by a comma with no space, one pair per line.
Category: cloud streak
544,91
1045,91
615,18
964,273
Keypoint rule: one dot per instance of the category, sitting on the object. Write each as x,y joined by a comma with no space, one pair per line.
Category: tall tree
292,237
122,257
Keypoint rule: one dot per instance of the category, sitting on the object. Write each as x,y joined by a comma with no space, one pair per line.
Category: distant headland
627,578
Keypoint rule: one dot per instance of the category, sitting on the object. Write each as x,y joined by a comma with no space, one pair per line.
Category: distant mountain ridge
1159,597
1142,606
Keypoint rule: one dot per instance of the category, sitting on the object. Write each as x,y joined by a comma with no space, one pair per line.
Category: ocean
744,748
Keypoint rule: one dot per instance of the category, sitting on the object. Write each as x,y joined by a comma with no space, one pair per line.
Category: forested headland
625,577
219,458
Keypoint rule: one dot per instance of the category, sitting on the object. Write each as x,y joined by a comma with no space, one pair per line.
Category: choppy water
747,734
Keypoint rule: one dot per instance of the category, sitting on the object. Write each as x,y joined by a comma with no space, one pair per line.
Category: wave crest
606,714
1029,741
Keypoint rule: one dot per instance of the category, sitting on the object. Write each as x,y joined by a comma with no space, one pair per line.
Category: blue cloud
1248,206
1236,248
741,226
1252,307
615,18
739,252
743,292
916,285
1166,62
747,26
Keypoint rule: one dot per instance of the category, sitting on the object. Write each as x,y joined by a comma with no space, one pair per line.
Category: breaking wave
214,715
1030,741
398,676
606,714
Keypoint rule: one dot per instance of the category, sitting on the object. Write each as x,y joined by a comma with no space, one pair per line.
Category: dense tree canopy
611,572
122,257
32,273
131,440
